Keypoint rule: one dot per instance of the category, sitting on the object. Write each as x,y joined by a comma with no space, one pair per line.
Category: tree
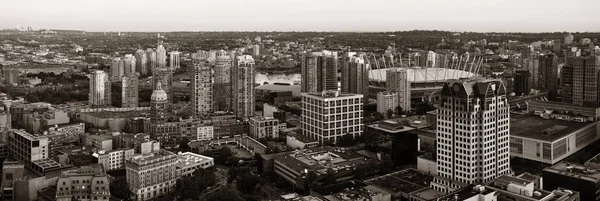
386,164
119,188
399,110
223,194
235,172
330,178
389,113
192,187
247,183
183,145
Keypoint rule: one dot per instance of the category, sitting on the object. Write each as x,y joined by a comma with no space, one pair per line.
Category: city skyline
296,15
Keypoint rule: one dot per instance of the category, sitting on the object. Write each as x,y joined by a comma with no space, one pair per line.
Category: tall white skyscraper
117,69
174,59
141,62
243,79
161,56
472,134
329,115
397,82
99,95
129,64
202,87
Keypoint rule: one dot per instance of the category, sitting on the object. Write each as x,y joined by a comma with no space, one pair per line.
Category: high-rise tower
243,87
129,64
580,82
472,134
355,75
141,62
397,82
151,58
165,76
129,90
99,94
548,75
202,87
319,71
223,86
117,69
161,56
174,60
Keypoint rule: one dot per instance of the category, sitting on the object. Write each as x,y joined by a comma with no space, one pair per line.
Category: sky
304,15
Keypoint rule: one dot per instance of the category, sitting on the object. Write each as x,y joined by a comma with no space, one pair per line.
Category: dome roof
420,75
159,94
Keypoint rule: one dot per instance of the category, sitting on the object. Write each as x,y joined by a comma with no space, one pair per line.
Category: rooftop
537,128
319,158
418,74
188,159
405,181
92,170
350,190
573,170
119,114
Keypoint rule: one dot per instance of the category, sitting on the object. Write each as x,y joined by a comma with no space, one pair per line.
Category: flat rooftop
189,159
572,170
121,114
406,181
428,194
538,128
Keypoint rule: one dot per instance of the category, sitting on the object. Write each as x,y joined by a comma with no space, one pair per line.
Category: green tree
389,113
235,172
192,187
183,145
119,188
247,183
223,194
346,140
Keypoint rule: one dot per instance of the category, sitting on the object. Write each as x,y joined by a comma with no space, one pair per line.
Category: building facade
330,115
141,62
222,88
243,79
397,82
472,134
319,71
152,175
579,81
99,95
202,87
129,90
84,183
386,101
548,78
522,82
175,59
161,56
115,159
355,75
265,127
165,77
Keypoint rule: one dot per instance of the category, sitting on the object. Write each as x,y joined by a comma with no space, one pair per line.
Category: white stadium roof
421,75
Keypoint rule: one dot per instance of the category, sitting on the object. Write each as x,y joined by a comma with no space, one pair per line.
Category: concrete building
151,58
243,86
352,190
319,71
11,76
265,127
329,115
202,88
387,101
550,138
295,165
569,39
205,132
37,119
521,78
472,113
222,87
526,187
99,95
175,59
579,81
115,159
397,82
141,62
189,162
32,151
161,56
355,75
11,171
102,142
129,90
141,143
129,64
117,69
83,183
298,141
548,78
152,175
165,77
158,105
584,179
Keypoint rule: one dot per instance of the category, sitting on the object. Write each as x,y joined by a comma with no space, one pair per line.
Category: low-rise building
549,140
189,162
520,188
352,190
83,183
265,127
102,142
152,175
386,102
141,143
298,141
115,159
584,179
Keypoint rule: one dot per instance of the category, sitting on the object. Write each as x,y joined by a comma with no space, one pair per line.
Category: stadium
424,81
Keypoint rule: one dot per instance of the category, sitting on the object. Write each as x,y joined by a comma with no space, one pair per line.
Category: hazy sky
303,15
